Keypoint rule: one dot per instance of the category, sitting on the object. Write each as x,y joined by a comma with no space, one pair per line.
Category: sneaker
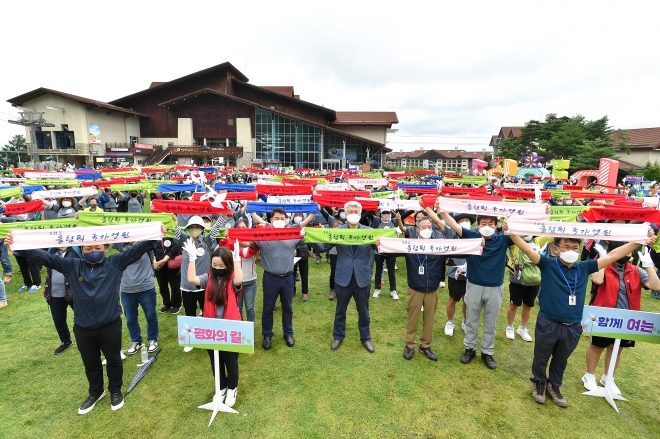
220,397
176,310
468,356
614,387
187,349
332,294
135,348
6,278
489,360
165,308
116,400
509,333
318,260
63,347
463,326
523,333
556,395
442,284
393,295
34,288
153,345
121,355
89,403
305,297
589,380
297,277
538,392
396,267
377,292
408,353
429,353
23,288
3,303
384,270
449,328
230,399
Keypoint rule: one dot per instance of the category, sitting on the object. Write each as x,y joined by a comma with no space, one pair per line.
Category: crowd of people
200,269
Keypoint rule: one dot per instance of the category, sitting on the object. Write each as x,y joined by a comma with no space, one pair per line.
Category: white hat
195,221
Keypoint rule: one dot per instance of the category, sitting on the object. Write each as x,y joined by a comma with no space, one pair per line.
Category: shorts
456,288
603,342
519,294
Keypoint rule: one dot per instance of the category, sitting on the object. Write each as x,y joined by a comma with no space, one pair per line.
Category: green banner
564,218
371,175
388,194
469,179
153,184
347,236
567,210
11,192
37,225
119,174
129,187
52,182
87,219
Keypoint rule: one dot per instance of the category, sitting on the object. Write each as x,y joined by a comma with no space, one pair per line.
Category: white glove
237,252
302,231
189,247
601,251
645,259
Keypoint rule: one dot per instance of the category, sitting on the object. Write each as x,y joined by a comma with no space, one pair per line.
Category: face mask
426,233
568,202
94,257
386,218
486,231
94,204
353,218
466,225
527,238
195,232
499,225
207,225
220,272
279,224
569,257
342,215
623,260
22,217
297,220
560,203
66,203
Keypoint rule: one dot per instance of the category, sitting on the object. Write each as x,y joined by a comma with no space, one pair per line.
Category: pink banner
614,232
431,246
495,208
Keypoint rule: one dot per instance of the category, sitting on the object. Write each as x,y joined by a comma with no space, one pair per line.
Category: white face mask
386,218
568,202
499,225
560,203
426,233
22,217
66,203
486,231
279,224
569,257
465,224
527,238
353,218
297,219
342,215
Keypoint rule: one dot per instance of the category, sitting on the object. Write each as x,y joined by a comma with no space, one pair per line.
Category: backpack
134,205
531,273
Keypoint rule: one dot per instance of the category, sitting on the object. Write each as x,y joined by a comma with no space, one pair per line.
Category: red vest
608,291
231,306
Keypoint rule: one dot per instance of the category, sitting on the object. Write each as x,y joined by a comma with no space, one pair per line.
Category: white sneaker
121,354
187,349
463,326
615,388
385,270
442,284
449,328
393,295
153,345
377,292
509,333
395,267
221,396
523,333
231,397
589,380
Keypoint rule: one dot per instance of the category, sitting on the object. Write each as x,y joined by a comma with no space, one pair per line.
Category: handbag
176,262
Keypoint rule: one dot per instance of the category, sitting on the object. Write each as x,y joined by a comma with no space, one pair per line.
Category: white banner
653,202
36,175
289,199
59,193
386,203
431,246
495,208
524,186
360,183
615,232
12,180
80,236
332,187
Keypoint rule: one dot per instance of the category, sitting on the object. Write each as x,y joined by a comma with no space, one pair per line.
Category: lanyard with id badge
421,264
571,298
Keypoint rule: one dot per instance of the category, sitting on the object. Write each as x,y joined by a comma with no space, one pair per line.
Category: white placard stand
606,392
216,405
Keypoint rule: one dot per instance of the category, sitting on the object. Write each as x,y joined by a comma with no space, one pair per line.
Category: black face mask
220,272
623,260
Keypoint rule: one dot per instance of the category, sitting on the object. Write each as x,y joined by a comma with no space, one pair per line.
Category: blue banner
218,334
416,186
234,187
27,190
180,188
621,323
434,177
88,176
288,207
209,169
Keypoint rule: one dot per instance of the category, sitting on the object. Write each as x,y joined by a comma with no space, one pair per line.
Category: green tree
14,151
651,171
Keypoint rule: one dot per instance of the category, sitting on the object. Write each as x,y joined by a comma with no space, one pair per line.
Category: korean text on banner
431,246
93,219
49,175
347,236
280,199
11,192
44,182
59,193
31,239
360,183
217,334
130,187
621,323
264,234
494,208
617,232
38,225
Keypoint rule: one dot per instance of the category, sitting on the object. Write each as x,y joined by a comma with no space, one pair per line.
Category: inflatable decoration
478,166
528,172
510,167
605,174
560,168
532,161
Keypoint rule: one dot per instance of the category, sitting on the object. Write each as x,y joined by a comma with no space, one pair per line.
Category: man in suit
352,279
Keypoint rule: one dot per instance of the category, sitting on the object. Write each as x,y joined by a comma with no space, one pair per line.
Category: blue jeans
3,292
248,297
4,258
147,300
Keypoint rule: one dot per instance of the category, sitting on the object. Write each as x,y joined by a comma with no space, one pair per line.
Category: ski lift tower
34,120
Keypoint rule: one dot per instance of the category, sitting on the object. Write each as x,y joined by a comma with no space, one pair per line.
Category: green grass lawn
311,392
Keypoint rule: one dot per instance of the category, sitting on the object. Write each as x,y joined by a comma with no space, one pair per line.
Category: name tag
421,270
571,300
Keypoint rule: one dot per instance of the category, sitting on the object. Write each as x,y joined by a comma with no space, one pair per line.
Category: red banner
398,174
421,191
300,181
19,208
277,189
597,196
621,213
23,170
264,234
428,200
188,207
117,169
153,170
566,187
538,177
423,172
337,200
85,171
103,183
512,194
349,195
227,172
186,168
241,195
455,190
303,170
369,204
628,203
475,197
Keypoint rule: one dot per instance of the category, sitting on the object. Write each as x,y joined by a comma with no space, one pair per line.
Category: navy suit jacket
349,263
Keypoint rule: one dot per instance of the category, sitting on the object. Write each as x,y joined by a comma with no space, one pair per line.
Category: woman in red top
222,285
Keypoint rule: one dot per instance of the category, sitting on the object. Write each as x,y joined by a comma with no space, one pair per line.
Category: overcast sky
454,72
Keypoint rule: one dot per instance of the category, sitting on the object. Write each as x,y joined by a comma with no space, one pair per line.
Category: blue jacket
353,259
71,252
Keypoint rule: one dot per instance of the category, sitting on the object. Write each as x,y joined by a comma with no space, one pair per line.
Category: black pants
390,260
361,296
228,368
303,267
58,308
169,277
274,287
91,342
333,268
30,271
556,340
190,301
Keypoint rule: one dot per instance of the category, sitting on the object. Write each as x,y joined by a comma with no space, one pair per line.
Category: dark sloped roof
437,153
19,100
156,84
286,90
365,118
328,111
644,138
